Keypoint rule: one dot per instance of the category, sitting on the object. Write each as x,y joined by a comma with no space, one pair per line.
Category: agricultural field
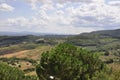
25,60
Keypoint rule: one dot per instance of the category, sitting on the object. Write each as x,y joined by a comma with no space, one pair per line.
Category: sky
59,16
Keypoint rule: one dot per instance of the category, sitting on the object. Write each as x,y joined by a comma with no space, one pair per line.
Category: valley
24,52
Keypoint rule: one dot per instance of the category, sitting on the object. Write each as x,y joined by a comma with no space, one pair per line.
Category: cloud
67,16
97,14
114,3
57,1
22,23
74,1
59,5
6,7
34,3
5,1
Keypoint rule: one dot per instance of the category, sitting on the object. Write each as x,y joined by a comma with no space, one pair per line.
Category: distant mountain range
24,33
115,33
19,33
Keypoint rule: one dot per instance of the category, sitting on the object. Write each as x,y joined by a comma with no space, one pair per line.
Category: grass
20,54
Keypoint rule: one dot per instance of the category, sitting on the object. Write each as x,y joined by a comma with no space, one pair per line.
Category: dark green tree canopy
67,62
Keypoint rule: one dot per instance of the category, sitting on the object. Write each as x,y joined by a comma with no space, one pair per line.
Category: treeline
12,40
43,39
16,48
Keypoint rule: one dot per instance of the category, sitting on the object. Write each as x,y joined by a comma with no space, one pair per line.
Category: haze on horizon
59,16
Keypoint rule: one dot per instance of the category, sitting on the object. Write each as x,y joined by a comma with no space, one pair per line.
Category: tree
10,73
67,62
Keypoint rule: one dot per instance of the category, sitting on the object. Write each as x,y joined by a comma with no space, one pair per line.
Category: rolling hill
98,40
110,33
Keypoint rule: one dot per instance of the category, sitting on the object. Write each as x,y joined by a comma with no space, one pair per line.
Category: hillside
6,41
98,40
110,33
107,42
25,60
103,41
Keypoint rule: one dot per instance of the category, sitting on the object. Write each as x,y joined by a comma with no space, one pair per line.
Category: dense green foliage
12,73
67,62
9,73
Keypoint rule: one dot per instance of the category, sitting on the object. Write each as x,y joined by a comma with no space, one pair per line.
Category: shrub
10,73
67,62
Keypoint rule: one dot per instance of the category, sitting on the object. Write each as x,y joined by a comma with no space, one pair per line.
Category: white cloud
6,7
20,21
114,3
63,1
60,12
34,3
97,14
59,16
58,5
47,7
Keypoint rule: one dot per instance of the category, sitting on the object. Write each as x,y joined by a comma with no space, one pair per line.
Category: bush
109,61
9,73
67,62
30,78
